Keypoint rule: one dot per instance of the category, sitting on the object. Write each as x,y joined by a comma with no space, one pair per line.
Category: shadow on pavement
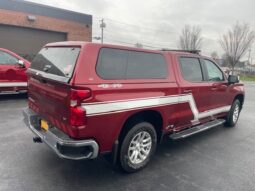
99,172
5,97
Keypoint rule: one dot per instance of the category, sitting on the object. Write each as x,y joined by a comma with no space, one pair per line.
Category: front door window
214,73
6,59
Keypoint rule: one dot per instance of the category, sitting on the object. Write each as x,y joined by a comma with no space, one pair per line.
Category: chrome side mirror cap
21,63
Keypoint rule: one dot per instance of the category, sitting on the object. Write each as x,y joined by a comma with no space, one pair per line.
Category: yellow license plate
44,125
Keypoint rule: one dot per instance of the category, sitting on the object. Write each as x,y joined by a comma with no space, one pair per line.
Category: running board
197,129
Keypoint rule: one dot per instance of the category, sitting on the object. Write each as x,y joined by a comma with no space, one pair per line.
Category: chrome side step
197,129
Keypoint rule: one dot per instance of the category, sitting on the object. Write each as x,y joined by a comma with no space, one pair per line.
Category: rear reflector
77,116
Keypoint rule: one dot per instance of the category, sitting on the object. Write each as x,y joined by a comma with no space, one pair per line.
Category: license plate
44,125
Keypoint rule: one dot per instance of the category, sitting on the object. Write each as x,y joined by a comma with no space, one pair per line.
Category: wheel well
150,116
240,97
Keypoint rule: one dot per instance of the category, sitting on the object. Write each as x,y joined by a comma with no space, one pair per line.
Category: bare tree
190,38
236,42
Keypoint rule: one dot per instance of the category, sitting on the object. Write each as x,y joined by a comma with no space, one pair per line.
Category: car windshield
56,60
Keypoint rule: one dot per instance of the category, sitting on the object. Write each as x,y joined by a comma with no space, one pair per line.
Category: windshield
56,60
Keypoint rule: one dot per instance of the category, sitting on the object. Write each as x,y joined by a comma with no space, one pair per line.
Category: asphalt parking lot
219,159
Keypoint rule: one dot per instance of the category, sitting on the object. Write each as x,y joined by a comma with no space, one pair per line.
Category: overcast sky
158,23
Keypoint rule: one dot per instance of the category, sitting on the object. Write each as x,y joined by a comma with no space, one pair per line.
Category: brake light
77,113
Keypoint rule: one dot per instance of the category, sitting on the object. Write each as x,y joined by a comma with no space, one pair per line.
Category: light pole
138,45
249,57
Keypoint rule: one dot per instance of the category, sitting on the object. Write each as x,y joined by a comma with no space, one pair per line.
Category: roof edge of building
45,10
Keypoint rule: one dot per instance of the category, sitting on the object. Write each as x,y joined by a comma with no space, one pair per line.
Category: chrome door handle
214,89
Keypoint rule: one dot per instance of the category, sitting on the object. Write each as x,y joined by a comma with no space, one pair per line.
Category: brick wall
75,31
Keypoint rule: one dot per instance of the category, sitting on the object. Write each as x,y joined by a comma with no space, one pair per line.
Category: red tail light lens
77,113
77,96
77,116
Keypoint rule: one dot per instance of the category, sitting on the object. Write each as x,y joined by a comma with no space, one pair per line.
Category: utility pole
102,26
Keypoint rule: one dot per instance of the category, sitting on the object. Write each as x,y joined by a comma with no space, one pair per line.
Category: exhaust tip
37,140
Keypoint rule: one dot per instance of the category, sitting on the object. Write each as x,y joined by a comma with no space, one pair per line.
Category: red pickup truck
13,68
87,99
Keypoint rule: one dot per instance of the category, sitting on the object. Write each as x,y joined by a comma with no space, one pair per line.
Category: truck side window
126,64
143,65
214,73
191,69
112,63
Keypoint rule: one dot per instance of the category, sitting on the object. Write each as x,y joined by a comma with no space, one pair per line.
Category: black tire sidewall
125,163
230,122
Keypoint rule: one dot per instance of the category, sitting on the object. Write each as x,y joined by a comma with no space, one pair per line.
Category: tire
233,114
138,147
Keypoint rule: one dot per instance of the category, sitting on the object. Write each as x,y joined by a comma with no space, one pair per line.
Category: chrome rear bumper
59,142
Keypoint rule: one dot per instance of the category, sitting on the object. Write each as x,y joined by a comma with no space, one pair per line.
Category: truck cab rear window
125,64
56,60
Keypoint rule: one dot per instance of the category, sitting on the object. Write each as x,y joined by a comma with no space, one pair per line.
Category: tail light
77,113
77,96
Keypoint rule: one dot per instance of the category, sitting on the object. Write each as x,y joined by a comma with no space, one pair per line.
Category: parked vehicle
12,72
87,99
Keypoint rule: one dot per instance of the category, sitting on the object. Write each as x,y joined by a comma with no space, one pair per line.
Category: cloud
158,23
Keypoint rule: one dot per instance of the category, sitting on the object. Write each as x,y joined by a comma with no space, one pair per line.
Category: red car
87,99
12,72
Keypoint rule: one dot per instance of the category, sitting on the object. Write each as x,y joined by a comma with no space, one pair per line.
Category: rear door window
191,69
56,60
125,64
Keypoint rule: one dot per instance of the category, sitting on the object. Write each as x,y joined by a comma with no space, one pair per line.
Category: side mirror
21,64
232,79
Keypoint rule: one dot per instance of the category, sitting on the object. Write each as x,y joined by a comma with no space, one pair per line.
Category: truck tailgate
50,100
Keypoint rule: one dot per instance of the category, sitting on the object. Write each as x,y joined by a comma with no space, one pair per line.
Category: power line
139,26
133,44
149,44
147,41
